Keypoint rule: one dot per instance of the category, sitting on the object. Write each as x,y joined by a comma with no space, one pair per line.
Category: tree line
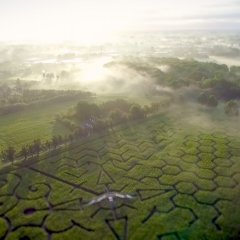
89,118
17,96
231,107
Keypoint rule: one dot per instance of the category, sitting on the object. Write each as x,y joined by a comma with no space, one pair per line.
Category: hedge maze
154,180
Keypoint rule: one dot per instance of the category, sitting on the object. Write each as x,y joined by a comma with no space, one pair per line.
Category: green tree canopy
84,111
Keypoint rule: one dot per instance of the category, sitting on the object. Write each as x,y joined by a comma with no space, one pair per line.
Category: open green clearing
184,182
21,128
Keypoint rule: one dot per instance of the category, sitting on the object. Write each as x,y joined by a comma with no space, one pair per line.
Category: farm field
21,128
161,178
120,120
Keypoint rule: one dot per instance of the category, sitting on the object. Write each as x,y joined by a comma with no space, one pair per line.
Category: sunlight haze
119,119
91,21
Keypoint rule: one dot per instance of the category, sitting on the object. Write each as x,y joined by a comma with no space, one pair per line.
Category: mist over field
135,61
119,120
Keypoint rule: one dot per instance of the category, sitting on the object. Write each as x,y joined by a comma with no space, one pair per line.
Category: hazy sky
93,19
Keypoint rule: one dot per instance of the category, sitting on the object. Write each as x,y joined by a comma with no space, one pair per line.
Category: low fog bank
101,75
140,66
73,61
195,116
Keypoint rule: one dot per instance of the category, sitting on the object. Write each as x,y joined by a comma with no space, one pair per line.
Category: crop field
36,122
156,179
22,128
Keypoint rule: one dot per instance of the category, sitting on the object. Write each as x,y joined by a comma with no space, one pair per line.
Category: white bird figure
110,197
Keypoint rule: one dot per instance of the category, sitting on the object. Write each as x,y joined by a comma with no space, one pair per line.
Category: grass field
21,128
183,182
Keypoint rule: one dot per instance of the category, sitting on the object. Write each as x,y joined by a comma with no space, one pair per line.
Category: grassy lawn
21,128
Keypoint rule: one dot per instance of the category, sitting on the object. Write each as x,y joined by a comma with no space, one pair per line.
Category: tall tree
37,146
48,145
24,152
9,154
54,142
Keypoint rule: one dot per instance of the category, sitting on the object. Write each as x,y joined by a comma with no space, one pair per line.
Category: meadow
38,122
21,128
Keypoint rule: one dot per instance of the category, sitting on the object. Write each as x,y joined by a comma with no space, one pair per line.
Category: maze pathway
179,185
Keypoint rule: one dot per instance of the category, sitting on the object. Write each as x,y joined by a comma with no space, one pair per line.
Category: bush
212,101
231,108
12,108
209,83
136,112
68,123
100,125
208,100
119,104
203,98
85,111
117,116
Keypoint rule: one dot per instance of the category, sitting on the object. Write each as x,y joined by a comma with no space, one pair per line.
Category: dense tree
31,150
60,139
136,112
24,152
147,110
154,107
212,101
92,124
70,138
100,125
37,146
203,98
9,154
48,78
118,104
17,98
18,86
86,111
206,99
79,133
232,108
54,142
48,145
117,116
